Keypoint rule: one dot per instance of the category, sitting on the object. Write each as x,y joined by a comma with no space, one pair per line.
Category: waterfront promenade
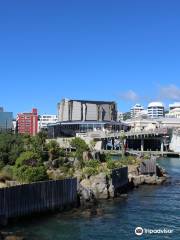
136,152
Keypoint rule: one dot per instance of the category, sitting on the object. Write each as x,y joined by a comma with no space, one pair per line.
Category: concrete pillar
106,144
112,143
162,146
142,144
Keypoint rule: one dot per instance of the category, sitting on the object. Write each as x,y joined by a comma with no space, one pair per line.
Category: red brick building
28,122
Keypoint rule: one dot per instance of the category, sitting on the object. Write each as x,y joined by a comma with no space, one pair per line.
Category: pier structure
143,141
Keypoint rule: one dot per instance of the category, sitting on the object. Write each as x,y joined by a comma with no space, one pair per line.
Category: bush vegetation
23,157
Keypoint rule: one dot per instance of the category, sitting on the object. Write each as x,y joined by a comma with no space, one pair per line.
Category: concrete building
46,119
14,122
6,121
28,122
81,116
119,116
174,113
72,129
85,110
174,110
174,105
136,110
155,110
138,125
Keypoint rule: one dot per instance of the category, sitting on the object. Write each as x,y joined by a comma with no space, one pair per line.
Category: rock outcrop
100,185
146,179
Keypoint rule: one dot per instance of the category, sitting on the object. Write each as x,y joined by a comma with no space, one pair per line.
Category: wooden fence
37,197
148,166
120,177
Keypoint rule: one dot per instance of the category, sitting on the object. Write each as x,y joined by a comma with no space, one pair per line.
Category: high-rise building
28,122
155,110
136,110
6,120
83,110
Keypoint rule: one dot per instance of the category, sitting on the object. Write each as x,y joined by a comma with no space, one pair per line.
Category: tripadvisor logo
139,231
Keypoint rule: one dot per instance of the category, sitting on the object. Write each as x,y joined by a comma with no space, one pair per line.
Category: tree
27,140
81,147
79,144
28,158
29,168
11,146
41,137
92,145
53,149
122,138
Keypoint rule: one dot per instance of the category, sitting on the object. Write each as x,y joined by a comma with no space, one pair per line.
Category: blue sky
127,51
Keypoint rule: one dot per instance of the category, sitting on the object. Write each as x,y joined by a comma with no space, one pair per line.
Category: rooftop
156,104
89,101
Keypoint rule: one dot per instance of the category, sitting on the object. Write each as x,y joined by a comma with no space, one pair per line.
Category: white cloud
129,96
170,92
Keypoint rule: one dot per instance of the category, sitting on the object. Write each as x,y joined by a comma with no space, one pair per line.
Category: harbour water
150,207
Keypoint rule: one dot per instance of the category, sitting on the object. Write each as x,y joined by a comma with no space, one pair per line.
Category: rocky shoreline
100,187
10,236
96,188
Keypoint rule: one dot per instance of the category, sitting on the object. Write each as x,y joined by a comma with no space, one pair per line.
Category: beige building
84,110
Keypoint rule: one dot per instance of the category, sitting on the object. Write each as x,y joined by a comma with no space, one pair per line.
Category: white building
174,110
174,113
139,124
120,116
174,105
136,110
46,119
155,110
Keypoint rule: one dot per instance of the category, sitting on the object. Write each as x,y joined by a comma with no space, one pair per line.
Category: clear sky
127,51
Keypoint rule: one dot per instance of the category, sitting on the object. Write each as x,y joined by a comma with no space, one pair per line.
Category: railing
102,134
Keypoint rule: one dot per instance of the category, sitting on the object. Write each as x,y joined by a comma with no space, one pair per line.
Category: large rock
78,175
87,156
136,180
133,169
76,163
150,179
111,190
3,185
55,174
160,180
86,196
14,238
99,185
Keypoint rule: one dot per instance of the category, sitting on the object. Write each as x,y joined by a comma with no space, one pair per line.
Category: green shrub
111,164
62,153
1,165
64,169
89,171
92,163
28,158
28,174
128,160
6,173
